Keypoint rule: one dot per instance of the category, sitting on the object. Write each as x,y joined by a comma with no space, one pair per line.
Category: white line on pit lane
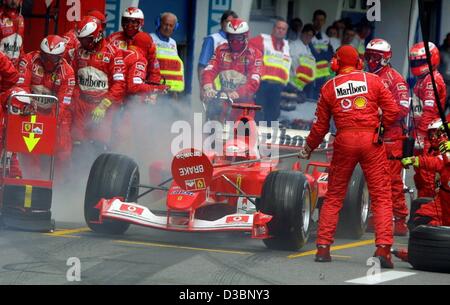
380,278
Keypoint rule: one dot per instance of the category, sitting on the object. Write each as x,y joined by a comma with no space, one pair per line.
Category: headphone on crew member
158,22
334,64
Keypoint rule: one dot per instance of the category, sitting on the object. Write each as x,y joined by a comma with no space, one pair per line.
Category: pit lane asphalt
148,256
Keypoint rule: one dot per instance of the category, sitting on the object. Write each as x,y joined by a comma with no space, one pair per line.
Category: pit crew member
99,68
425,180
354,98
378,55
132,23
47,72
12,30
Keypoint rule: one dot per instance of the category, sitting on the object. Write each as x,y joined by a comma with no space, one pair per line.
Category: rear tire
111,175
429,248
354,215
286,196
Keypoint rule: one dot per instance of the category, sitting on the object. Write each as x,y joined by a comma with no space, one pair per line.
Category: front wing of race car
116,209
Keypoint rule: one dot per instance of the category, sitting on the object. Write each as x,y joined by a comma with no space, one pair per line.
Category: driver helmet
436,134
237,34
21,105
378,54
418,58
52,52
236,150
132,21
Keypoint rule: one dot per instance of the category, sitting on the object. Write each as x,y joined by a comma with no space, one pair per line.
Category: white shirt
335,43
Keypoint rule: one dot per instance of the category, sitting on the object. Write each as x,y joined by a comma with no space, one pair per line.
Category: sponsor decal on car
182,192
195,184
130,209
323,178
237,219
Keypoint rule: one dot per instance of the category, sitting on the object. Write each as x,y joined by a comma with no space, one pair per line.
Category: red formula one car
233,191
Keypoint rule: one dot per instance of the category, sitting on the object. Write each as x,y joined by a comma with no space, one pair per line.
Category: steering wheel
247,106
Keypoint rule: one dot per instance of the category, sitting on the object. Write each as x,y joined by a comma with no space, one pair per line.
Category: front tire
286,196
111,175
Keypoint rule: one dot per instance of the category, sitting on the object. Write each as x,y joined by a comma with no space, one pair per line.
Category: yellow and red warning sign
34,134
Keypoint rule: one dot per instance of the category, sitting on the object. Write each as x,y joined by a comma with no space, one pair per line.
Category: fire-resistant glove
233,95
209,91
407,162
305,152
444,147
98,114
442,127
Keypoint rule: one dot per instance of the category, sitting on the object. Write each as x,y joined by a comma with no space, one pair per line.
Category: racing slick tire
286,196
429,248
354,216
111,175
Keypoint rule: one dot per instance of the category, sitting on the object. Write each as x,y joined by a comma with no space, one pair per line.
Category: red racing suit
8,73
437,210
12,31
235,72
121,41
71,46
353,99
14,166
60,83
137,76
100,74
425,180
393,135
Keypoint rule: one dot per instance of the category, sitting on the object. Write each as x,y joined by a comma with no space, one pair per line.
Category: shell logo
360,102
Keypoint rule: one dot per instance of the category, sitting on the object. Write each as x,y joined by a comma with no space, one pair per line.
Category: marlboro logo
351,88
